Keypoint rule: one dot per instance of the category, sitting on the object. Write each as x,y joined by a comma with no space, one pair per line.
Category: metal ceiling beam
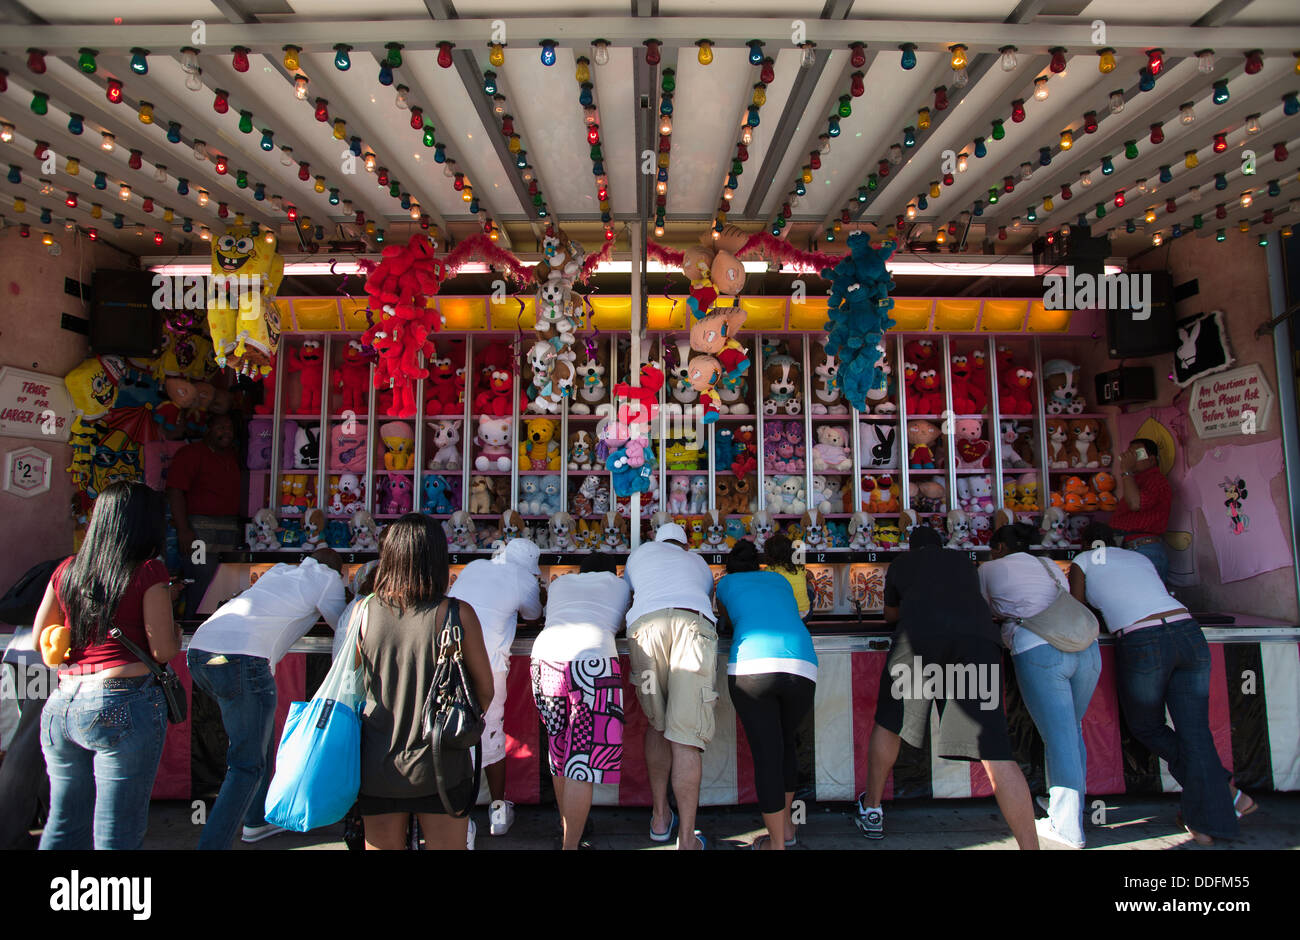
1221,12
985,36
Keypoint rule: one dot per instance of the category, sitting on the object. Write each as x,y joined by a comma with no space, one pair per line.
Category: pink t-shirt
1232,489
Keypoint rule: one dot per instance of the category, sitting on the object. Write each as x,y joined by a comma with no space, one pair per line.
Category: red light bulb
947,179
602,193
786,211
42,148
322,110
92,234
1090,122
844,216
147,205
1279,152
1119,199
742,152
940,98
1254,61
382,176
856,88
304,172
134,162
157,238
507,125
240,64
593,134
361,217
4,80
1002,233
766,74
1220,211
882,169
814,160
114,91
25,230
417,118
1220,143
1066,192
1157,133
664,143
1268,217
36,61
458,183
222,211
1008,184
1155,61
221,102
221,165
444,54
292,213
652,52
858,55
1018,110
609,234
1058,61
1171,206
71,201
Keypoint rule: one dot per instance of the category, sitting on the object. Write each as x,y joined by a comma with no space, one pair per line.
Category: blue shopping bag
318,764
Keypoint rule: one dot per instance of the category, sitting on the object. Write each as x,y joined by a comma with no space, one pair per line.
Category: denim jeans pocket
222,679
1139,655
108,721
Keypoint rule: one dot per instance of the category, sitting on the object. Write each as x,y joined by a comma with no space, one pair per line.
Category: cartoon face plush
711,333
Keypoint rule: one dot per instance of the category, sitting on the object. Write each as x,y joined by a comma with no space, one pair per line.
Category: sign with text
34,405
28,472
1238,401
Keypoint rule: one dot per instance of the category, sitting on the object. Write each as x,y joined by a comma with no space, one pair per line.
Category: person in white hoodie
501,590
232,658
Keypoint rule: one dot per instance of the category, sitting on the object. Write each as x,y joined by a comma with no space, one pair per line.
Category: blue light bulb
342,61
1044,156
268,144
440,153
1146,80
489,83
334,198
979,207
755,52
1221,91
909,137
405,201
173,133
909,57
101,181
354,145
584,96
46,217
833,126
187,225
259,192
666,106
183,186
139,62
1290,104
1130,226
606,217
1166,176
75,125
1107,167
800,188
385,74
473,206
15,175
752,119
922,203
1220,181
548,52
1274,189
980,150
118,220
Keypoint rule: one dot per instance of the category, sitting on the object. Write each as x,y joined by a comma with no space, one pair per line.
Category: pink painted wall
32,303
1232,277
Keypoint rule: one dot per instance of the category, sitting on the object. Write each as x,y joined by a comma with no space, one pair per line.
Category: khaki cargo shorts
674,657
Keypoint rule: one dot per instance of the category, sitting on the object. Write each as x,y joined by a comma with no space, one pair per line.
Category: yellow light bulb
659,231
1157,239
1067,140
340,129
958,60
934,190
47,239
514,144
205,234
203,197
837,226
1106,62
911,212
96,211
320,184
807,175
706,52
168,215
661,187
663,161
1150,216
370,162
583,71
941,236
497,56
145,113
923,119
467,194
1047,204
1246,199
1244,226
1191,161
760,95
74,166
291,58
20,204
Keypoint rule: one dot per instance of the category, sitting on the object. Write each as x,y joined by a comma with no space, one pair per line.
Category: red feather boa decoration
758,245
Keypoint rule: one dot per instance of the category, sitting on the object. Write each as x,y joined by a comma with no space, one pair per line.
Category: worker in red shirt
1144,497
203,484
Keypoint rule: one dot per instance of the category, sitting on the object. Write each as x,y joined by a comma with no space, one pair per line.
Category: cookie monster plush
858,307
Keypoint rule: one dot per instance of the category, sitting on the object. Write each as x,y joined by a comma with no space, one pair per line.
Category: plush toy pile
400,287
859,306
718,371
559,314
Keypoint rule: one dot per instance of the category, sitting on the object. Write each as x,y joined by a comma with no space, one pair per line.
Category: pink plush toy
831,452
969,445
397,494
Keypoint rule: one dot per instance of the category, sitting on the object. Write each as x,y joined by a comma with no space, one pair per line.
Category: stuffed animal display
1061,388
400,287
446,441
831,452
827,395
924,447
858,309
783,447
1014,383
493,440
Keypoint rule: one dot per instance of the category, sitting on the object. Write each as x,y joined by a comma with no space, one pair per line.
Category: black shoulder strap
136,651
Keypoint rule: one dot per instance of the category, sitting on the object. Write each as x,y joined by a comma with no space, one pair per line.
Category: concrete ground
1130,823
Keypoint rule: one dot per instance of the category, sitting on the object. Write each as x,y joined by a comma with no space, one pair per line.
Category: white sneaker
502,816
1044,802
472,834
1047,831
258,833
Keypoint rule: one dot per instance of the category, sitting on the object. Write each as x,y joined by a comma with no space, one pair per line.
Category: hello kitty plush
493,439
831,452
980,530
981,493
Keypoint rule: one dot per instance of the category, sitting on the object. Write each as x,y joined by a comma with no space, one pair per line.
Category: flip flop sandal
664,836
1244,812
1199,837
791,843
757,844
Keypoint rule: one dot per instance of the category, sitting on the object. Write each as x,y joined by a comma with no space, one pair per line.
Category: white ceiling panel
348,10
1268,13
708,106
932,10
615,100
126,12
1158,12
785,69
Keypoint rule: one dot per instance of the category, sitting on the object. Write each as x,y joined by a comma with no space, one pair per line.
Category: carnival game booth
377,375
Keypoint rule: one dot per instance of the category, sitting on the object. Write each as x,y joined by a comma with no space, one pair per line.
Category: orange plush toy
55,643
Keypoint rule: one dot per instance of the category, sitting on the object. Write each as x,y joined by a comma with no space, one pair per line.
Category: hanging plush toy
242,318
713,268
858,307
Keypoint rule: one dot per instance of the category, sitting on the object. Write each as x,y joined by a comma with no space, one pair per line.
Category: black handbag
452,720
173,691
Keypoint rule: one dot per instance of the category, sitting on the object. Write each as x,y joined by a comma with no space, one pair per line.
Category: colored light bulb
1254,62
428,139
1290,104
767,74
1131,149
1220,143
845,109
1018,111
101,180
40,103
941,98
342,59
548,53
832,126
908,60
444,54
857,55
86,61
923,119
73,167
245,122
1067,140
322,110
760,95
909,137
1280,152
705,54
1190,160
1048,205
999,131
221,101
393,55
1090,122
385,74
1157,133
1119,199
1146,81
135,161
417,118
36,61
220,165
1220,181
1044,156
1166,175
1221,91
981,149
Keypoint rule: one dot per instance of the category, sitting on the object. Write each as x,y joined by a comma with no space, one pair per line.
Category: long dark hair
127,527
413,564
1017,537
779,551
743,556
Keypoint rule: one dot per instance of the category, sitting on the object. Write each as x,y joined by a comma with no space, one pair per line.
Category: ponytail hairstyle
1016,536
127,527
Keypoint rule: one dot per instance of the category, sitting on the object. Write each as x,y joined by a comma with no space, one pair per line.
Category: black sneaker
871,820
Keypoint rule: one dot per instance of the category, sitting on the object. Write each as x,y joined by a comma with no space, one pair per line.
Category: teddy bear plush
530,495
831,452
794,494
969,446
539,450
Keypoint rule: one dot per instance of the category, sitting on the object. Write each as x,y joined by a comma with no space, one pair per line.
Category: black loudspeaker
1126,386
1134,330
123,318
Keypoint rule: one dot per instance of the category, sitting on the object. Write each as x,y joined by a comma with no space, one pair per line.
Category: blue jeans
1159,556
103,741
1168,666
1057,688
245,689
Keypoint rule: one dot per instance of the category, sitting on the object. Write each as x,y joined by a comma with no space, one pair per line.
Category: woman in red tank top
102,730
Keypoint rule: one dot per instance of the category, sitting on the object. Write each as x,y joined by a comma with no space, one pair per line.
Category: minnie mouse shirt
1232,490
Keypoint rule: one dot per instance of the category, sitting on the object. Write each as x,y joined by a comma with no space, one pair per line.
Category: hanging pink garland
758,245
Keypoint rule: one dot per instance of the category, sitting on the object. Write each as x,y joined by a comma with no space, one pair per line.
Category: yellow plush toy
245,326
400,441
539,450
92,386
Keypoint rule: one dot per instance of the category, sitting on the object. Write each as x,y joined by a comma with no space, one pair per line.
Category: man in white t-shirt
232,658
674,655
501,590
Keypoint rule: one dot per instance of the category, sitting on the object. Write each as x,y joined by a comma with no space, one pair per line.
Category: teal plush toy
858,307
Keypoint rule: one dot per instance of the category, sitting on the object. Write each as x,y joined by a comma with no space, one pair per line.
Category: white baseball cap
671,532
523,553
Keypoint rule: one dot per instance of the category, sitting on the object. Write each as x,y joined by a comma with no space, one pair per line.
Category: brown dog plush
1059,449
1085,434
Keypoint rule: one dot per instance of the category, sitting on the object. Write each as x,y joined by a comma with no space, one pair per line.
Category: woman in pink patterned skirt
578,686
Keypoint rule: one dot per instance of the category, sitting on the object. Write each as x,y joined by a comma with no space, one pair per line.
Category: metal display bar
1040,418
322,442
467,463
992,371
947,423
904,453
760,451
277,431
807,424
372,436
671,31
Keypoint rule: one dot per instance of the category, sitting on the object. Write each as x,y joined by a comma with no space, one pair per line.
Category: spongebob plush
244,322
